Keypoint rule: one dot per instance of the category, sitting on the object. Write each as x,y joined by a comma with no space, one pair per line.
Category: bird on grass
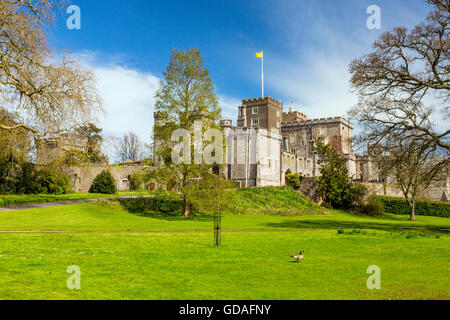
298,256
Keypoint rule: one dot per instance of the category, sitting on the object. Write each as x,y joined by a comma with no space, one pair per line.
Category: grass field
124,255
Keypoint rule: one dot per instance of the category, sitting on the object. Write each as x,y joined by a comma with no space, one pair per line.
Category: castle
268,143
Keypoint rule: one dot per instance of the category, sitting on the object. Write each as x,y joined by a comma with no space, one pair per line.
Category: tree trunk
413,209
186,207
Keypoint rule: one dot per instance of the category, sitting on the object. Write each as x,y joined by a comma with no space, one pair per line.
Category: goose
298,256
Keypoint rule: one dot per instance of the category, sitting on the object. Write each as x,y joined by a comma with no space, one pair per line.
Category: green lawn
8,200
125,255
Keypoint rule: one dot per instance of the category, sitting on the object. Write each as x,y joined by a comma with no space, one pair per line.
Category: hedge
161,204
423,207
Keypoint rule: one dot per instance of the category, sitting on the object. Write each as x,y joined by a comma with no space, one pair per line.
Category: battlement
257,101
160,115
293,116
226,123
318,121
297,112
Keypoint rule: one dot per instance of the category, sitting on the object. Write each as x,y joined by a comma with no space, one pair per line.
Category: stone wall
81,177
253,156
437,193
337,131
309,189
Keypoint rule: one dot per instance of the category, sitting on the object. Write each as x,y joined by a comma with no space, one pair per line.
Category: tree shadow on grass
336,224
171,210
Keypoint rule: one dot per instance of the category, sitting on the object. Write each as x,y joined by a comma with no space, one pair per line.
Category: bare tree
130,148
46,97
415,165
406,70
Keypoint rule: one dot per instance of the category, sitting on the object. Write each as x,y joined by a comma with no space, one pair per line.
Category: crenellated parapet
319,121
261,101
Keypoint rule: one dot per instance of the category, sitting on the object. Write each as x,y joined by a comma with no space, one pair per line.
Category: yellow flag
259,54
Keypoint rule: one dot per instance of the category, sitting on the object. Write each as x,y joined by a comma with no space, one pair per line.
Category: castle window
255,122
255,111
278,113
292,139
278,124
323,130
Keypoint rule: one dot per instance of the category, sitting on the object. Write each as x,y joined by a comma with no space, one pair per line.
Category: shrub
10,170
161,204
294,180
52,181
358,194
28,180
374,207
103,183
19,176
136,180
422,207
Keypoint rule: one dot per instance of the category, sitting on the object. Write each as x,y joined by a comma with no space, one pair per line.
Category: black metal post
217,229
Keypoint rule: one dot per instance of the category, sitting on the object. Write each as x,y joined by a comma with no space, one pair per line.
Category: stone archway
124,185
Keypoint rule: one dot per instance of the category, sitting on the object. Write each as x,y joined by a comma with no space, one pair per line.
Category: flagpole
262,73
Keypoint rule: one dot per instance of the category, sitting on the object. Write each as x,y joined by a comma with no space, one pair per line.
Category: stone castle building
268,143
53,149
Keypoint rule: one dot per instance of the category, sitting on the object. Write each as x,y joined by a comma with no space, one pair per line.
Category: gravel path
68,202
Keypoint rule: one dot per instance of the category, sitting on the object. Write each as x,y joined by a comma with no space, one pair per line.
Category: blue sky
307,47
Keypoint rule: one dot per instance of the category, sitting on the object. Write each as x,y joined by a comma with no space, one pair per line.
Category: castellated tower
254,146
261,113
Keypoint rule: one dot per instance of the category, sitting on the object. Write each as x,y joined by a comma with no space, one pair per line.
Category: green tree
52,181
91,153
186,96
294,180
103,183
94,139
335,186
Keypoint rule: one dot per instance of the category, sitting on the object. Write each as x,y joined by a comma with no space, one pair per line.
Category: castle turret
293,115
264,113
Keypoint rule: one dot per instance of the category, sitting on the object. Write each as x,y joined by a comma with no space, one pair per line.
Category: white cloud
229,107
128,99
319,86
